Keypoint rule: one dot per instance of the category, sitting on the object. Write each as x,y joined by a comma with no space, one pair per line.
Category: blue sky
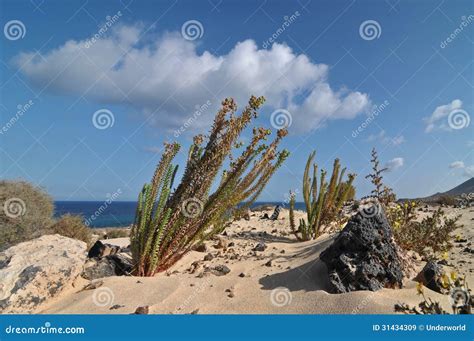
326,65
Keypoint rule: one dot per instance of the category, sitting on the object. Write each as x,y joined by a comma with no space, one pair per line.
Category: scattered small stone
231,294
139,282
260,247
208,257
269,263
228,290
220,270
93,285
116,306
195,311
242,275
142,310
282,251
195,266
468,250
221,244
231,244
200,248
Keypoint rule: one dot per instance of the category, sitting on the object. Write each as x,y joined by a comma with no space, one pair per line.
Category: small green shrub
429,237
117,233
383,193
72,226
446,200
25,212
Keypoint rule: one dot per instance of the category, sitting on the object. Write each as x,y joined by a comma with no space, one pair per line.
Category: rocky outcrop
39,269
363,256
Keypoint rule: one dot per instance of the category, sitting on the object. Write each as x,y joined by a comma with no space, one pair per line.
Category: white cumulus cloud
394,164
166,77
457,164
441,113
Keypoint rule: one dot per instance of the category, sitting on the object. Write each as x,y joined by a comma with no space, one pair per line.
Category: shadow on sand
309,276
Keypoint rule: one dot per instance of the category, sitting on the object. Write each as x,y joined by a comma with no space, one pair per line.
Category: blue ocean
116,213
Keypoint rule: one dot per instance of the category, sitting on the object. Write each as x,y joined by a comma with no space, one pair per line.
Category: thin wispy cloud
166,77
382,137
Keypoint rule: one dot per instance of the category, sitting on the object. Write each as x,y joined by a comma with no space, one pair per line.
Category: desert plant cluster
323,199
430,236
28,213
168,223
460,297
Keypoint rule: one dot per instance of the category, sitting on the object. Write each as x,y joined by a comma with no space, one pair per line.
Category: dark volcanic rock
431,277
113,265
100,249
363,256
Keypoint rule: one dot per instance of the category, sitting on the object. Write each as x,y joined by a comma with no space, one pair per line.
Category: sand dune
294,282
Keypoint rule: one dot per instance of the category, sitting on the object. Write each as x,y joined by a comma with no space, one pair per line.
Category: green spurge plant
323,199
168,224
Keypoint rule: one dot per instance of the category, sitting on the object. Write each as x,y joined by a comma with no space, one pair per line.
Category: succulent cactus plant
168,224
323,199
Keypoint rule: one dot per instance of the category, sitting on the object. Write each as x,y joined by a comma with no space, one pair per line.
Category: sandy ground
295,281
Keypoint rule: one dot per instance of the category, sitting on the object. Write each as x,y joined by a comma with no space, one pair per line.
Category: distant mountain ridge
465,188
